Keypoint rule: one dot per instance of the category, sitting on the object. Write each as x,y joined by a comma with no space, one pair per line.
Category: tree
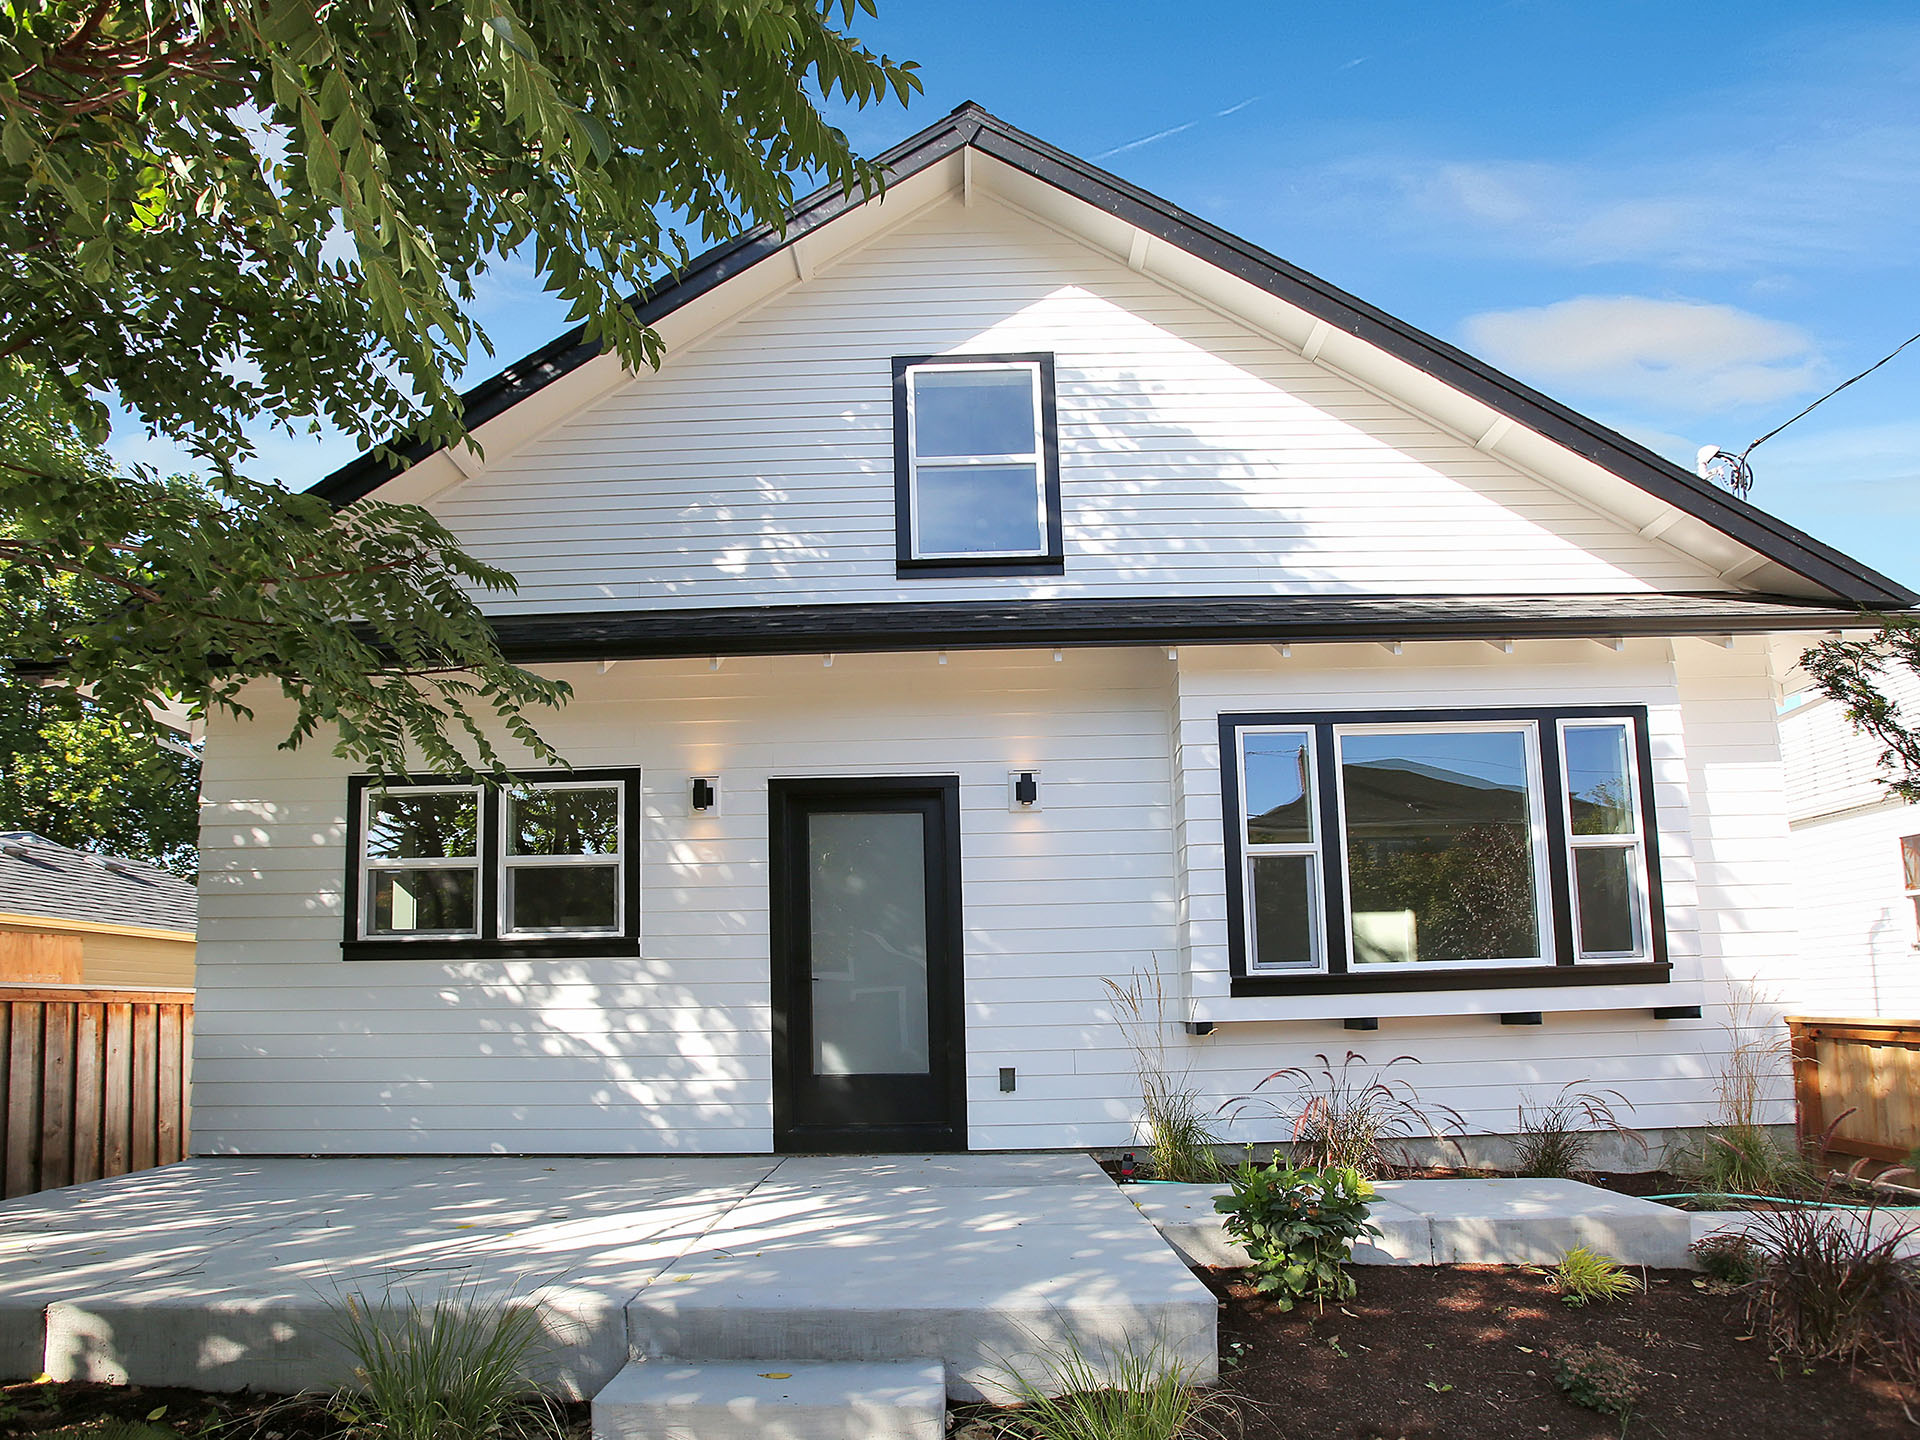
80,776
237,210
1855,672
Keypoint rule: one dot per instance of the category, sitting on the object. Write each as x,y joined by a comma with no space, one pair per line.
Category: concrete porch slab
226,1273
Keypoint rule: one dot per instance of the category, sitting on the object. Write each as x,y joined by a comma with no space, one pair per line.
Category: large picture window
1425,849
545,867
976,463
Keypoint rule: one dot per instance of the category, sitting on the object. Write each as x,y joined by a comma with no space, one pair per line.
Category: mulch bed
40,1409
1450,1352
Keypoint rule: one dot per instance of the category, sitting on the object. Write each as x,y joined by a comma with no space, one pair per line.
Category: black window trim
1336,978
488,945
1053,561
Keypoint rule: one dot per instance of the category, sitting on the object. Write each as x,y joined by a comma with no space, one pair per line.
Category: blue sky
1686,219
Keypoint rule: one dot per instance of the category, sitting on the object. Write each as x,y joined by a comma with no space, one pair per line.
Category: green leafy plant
1179,1138
1598,1378
234,217
1129,1394
1586,1277
1728,1256
1298,1226
455,1369
1346,1115
1833,1286
1554,1139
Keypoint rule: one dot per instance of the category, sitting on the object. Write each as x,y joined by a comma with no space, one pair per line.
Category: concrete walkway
224,1273
1488,1222
1454,1222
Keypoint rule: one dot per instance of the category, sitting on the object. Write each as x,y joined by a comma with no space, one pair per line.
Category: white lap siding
1197,457
1120,871
301,1051
1467,1058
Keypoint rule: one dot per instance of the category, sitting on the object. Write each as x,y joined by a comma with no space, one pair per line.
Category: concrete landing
992,1263
1454,1222
783,1400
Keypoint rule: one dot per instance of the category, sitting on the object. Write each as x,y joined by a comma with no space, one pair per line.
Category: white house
1856,863
1006,585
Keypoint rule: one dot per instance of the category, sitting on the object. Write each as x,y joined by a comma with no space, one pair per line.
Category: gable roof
40,878
970,126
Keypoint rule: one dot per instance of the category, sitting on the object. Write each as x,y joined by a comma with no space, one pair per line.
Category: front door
868,1037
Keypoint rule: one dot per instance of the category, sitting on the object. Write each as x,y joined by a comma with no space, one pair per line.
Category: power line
1737,473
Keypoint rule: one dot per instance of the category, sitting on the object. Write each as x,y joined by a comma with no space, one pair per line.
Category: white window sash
1537,826
1633,841
1316,868
1035,457
616,862
369,863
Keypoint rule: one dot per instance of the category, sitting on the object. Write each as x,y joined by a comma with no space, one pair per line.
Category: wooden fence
92,1082
1871,1067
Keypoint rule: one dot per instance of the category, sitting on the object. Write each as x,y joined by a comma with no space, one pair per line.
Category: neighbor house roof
1845,578
41,879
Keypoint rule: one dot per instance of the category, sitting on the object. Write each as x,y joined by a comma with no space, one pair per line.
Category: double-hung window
533,867
976,464
1439,849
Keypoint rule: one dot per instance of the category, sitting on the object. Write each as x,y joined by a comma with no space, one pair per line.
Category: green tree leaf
220,212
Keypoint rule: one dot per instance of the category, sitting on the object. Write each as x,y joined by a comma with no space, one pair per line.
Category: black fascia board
969,124
1036,623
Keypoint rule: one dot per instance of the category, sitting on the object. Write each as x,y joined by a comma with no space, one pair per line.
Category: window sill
979,567
599,947
1405,979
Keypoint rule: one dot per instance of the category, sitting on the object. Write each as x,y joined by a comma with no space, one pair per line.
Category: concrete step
773,1400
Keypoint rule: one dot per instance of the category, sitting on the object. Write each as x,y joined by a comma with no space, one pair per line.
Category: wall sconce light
705,797
1023,790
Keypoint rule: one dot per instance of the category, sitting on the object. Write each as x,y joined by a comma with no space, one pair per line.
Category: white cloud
1826,170
1839,193
1680,355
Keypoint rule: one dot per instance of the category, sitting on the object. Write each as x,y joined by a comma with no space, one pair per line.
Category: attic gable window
1439,850
976,465
532,868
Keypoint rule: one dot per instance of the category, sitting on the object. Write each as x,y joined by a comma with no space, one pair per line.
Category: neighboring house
1856,870
70,917
1004,586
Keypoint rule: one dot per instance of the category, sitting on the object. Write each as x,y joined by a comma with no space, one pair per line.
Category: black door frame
788,802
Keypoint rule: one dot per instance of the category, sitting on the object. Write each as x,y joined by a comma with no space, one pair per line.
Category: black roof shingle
38,877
